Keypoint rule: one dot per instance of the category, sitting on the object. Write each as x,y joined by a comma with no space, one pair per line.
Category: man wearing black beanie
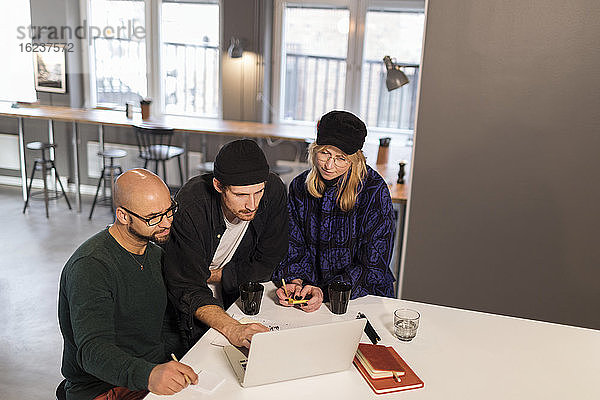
231,228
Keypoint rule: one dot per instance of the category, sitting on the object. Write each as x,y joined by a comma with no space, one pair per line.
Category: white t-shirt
230,240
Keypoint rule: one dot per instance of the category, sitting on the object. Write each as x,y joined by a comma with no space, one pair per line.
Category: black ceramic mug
339,295
251,296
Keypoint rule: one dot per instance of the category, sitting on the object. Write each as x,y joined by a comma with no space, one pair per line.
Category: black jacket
195,235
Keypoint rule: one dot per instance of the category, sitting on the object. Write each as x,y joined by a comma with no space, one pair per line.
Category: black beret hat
343,130
241,163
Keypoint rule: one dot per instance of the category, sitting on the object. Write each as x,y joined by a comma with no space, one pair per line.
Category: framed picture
49,68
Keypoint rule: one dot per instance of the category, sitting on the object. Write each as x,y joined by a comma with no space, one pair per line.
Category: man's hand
215,275
293,289
238,334
241,334
168,378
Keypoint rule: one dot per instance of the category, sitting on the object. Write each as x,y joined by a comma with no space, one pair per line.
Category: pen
284,288
187,379
371,333
292,301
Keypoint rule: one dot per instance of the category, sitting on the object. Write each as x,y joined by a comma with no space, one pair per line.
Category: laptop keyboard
243,364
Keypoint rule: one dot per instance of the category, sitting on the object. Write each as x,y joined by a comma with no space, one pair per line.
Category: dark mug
251,296
339,295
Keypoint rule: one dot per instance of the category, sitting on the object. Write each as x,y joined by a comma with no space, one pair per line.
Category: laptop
317,349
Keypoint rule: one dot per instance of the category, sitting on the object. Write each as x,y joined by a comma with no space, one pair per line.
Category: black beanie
241,163
343,130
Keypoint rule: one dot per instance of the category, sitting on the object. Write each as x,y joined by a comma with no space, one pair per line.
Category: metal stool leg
112,185
61,186
180,170
164,164
104,182
30,184
97,191
55,180
44,172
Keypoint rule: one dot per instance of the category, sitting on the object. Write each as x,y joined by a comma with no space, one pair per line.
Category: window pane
120,50
398,35
315,43
190,57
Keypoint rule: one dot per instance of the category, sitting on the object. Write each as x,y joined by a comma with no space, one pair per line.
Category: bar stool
205,167
108,171
154,144
46,165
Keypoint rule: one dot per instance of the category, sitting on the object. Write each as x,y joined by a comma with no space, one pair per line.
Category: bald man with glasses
112,309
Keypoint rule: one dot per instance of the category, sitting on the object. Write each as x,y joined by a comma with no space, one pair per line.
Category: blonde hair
350,182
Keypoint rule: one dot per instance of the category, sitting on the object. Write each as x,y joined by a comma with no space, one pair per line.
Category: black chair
110,171
46,165
154,144
61,392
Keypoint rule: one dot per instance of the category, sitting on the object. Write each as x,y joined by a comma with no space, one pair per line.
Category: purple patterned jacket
327,244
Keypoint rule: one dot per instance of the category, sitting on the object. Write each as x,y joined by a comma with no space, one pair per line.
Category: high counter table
459,354
183,124
103,118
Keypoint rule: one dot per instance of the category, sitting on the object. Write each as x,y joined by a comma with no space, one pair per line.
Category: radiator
9,151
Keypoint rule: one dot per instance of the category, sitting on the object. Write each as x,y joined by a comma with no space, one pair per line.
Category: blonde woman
341,222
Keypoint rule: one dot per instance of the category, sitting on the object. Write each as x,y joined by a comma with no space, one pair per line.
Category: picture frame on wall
50,69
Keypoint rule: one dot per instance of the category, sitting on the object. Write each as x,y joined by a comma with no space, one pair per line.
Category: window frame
356,36
155,86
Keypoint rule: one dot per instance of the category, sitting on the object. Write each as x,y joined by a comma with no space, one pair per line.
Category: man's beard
151,238
245,216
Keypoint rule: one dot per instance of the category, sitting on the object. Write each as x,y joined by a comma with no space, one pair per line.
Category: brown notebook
410,380
379,359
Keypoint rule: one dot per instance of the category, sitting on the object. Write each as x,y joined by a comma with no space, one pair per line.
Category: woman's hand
293,289
296,291
315,295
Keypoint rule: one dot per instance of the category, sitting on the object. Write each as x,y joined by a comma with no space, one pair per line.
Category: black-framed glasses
157,219
339,161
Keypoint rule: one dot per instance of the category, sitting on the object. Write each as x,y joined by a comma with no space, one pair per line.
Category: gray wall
503,215
243,79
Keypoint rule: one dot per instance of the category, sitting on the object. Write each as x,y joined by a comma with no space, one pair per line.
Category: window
190,57
167,50
16,73
315,58
397,33
118,57
331,57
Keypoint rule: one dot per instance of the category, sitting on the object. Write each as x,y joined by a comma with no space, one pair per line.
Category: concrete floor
33,251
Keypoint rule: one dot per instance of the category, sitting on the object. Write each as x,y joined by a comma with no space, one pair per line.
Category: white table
458,354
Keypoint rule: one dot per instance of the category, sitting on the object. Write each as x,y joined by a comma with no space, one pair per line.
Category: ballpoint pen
371,333
284,288
187,379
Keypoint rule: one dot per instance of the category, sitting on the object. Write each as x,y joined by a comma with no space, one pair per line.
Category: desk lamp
235,48
395,77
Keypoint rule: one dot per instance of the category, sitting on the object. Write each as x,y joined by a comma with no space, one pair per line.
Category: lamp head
235,48
395,77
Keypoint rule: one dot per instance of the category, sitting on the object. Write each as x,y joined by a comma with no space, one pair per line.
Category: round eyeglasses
338,161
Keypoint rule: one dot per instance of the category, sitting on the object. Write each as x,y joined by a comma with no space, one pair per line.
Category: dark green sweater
112,317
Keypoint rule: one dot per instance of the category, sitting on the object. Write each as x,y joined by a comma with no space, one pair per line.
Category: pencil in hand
284,288
187,378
